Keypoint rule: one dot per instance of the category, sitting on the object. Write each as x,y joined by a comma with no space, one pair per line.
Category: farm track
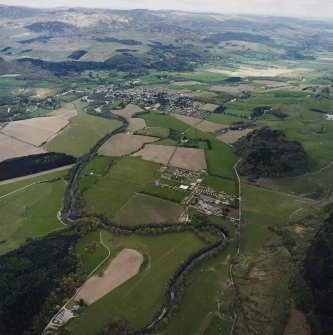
53,325
319,171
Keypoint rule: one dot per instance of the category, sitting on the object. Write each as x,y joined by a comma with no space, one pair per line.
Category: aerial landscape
165,171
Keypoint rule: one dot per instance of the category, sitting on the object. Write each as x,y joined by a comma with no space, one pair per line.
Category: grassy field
165,192
164,121
155,132
140,298
30,212
10,187
11,82
147,209
221,160
90,250
223,118
112,191
82,133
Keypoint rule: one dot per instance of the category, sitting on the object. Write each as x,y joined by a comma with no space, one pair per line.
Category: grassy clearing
139,299
165,192
221,160
147,209
91,250
98,167
155,132
112,191
163,121
82,133
221,184
31,212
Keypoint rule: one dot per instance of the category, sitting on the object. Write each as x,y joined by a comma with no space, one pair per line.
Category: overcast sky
300,8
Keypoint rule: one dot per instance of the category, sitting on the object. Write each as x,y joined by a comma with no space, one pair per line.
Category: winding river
170,297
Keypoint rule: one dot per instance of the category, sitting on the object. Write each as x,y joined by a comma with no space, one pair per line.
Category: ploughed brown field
185,158
128,112
203,125
233,136
10,148
124,144
35,131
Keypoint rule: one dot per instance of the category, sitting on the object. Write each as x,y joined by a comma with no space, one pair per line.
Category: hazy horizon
320,9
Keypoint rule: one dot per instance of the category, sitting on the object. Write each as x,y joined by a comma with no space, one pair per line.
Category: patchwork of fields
186,158
124,144
176,166
144,292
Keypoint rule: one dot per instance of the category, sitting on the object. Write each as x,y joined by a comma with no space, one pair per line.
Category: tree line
23,166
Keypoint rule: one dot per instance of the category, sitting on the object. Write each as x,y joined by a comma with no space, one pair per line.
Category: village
202,198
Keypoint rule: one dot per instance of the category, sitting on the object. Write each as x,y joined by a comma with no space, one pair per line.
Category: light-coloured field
188,83
209,107
186,158
128,112
235,89
124,144
233,136
125,266
189,158
35,131
253,72
192,121
147,209
209,127
65,115
156,153
203,125
11,148
135,124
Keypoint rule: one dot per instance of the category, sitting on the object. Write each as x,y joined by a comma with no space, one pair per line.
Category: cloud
299,8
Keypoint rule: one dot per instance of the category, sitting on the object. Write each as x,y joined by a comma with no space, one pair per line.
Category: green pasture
30,212
110,192
82,133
